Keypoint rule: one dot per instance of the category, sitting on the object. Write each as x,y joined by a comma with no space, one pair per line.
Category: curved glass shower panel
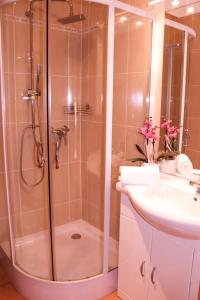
131,89
4,221
77,61
23,36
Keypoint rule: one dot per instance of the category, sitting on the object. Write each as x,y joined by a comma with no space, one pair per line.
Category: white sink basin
168,208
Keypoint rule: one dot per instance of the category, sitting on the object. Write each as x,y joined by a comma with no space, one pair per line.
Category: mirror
172,81
181,91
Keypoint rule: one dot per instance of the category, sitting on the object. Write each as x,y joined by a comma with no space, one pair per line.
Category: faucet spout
195,184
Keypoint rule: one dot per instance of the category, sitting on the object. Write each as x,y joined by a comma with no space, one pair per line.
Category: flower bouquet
150,137
170,141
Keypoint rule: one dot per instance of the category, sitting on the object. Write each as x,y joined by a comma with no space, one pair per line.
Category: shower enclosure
74,90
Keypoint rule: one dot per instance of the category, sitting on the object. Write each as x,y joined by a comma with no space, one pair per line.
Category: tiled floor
111,297
7,292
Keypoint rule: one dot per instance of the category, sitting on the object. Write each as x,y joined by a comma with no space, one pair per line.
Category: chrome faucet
61,133
196,183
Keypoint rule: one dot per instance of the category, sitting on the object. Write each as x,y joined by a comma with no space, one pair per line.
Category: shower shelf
78,109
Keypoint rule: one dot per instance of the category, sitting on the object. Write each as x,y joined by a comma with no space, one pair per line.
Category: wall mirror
181,79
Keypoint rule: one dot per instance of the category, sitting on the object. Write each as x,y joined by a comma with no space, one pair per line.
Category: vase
168,166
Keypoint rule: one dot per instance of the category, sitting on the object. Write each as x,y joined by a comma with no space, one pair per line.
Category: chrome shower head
72,19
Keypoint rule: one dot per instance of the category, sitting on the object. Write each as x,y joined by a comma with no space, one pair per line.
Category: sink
171,206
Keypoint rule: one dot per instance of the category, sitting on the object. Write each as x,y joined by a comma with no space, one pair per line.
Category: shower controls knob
30,95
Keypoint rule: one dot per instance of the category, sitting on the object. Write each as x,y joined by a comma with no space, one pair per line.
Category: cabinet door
134,257
171,265
195,278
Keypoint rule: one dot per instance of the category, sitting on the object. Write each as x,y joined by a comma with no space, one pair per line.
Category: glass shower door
77,62
24,76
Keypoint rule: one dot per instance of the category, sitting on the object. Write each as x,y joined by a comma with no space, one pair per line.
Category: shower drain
76,236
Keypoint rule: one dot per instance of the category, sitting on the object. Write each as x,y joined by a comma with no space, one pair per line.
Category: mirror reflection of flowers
149,133
170,140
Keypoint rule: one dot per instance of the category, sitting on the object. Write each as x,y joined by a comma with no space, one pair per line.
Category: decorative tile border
54,26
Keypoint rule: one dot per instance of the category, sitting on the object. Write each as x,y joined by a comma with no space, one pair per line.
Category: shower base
74,259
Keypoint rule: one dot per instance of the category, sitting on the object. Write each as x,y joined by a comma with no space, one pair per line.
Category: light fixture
139,23
175,2
122,19
190,10
154,2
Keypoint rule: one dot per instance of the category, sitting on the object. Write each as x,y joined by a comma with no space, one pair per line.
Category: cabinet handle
142,268
152,275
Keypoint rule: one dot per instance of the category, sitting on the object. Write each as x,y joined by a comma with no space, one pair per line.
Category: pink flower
172,132
166,124
148,123
148,130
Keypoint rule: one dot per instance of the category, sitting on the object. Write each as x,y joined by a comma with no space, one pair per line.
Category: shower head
71,18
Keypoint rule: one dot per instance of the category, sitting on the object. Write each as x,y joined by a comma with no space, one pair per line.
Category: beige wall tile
137,98
120,98
121,46
75,181
59,52
75,210
8,37
75,47
60,214
139,56
60,182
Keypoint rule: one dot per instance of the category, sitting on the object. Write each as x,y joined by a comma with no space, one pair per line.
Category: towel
184,165
147,175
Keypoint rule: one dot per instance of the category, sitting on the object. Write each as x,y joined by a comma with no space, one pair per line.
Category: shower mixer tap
30,94
60,133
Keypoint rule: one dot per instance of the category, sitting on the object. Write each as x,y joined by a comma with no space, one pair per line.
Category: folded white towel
184,165
147,175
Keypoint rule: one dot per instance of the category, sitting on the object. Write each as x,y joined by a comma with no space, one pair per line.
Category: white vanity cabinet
133,281
154,265
171,263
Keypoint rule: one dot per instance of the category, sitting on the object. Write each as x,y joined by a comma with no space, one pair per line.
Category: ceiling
179,8
184,8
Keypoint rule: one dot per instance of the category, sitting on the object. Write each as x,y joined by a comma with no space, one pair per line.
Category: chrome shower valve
30,95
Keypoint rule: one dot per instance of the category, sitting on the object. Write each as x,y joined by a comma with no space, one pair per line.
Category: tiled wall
65,61
4,223
77,75
193,91
29,207
94,51
131,96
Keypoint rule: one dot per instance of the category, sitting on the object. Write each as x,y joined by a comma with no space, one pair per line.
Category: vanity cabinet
171,265
154,265
133,282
